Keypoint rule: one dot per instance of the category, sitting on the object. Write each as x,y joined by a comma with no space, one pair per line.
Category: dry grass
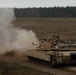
49,26
17,69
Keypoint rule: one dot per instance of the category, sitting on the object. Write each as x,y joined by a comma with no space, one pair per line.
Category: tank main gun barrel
34,43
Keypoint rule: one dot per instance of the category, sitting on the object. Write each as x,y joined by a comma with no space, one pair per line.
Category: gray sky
36,3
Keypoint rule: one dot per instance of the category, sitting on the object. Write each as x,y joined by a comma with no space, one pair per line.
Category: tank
54,50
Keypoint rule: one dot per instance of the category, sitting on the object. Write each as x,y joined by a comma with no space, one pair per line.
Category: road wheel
53,61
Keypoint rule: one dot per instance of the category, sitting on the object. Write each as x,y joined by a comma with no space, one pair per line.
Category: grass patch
16,69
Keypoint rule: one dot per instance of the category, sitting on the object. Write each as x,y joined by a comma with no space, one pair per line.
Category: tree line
45,12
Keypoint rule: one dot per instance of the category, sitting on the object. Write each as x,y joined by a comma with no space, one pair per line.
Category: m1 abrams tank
54,51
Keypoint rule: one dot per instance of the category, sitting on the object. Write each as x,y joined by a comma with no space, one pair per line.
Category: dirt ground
15,58
22,59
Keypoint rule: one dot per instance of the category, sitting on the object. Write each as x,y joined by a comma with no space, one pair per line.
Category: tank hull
52,57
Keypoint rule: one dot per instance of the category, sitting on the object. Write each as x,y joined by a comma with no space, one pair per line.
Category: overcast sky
36,3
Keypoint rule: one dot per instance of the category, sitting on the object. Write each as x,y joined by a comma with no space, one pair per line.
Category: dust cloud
12,38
